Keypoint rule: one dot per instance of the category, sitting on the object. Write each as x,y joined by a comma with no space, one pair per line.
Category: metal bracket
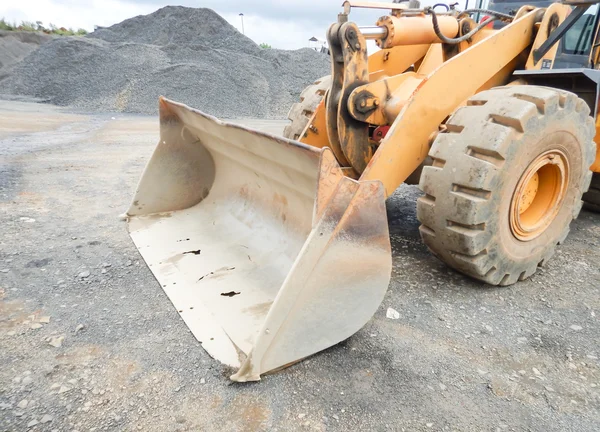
559,32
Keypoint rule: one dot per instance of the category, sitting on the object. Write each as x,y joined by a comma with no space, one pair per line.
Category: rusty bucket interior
267,251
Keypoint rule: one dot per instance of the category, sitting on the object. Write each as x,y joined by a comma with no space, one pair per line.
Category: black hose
454,41
442,5
499,15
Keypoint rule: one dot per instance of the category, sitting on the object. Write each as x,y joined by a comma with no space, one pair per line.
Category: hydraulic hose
453,41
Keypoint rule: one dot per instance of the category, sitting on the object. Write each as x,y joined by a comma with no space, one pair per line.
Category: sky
286,24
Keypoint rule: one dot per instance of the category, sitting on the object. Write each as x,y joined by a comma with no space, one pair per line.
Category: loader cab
575,47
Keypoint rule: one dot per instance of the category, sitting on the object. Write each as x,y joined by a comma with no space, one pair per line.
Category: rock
23,404
128,263
32,423
4,271
335,417
84,274
47,418
18,413
11,333
44,319
63,389
576,327
301,415
56,341
103,271
27,380
202,381
105,265
536,371
79,328
442,386
4,406
35,326
54,386
392,314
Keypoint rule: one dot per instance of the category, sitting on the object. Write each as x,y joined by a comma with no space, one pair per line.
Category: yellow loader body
272,249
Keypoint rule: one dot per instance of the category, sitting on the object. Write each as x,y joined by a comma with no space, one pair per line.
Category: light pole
242,17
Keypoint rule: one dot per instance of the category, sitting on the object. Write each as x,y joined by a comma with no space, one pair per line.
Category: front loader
274,248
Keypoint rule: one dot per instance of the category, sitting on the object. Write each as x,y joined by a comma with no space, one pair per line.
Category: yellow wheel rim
539,195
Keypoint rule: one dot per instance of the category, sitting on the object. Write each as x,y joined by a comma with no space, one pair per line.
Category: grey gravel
15,46
191,55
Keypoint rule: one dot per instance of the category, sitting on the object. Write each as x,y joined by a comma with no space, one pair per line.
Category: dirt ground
89,341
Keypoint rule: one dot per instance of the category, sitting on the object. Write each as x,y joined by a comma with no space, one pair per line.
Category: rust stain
157,216
259,309
281,199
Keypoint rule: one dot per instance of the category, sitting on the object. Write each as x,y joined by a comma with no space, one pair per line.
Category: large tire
484,159
592,196
301,112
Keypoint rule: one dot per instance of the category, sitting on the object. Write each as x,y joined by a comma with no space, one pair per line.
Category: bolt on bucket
267,251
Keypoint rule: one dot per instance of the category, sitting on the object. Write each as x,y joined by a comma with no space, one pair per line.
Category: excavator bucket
268,252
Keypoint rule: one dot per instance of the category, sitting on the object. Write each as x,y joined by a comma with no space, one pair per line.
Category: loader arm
401,100
407,142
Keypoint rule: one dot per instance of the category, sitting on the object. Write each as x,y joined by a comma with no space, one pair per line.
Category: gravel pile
190,55
15,46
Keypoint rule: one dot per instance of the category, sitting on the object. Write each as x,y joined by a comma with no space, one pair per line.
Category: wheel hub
539,195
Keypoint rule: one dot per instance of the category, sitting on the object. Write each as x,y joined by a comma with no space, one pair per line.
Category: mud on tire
301,112
478,163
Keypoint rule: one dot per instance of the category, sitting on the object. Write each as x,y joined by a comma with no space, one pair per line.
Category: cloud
72,13
282,24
